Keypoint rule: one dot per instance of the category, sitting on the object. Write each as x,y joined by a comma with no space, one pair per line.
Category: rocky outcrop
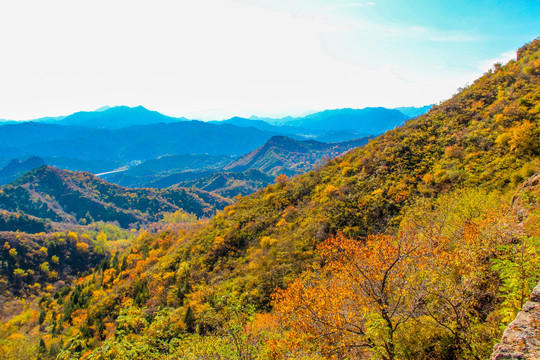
521,339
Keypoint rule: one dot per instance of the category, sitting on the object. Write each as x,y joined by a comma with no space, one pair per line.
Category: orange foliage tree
358,300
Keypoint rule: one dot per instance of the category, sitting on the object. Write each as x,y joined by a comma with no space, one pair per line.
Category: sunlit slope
487,136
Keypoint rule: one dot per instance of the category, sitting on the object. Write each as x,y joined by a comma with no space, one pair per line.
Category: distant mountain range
178,150
295,131
118,117
263,125
368,121
142,142
413,112
124,134
115,118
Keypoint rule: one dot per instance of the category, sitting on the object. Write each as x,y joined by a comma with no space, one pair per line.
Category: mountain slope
282,155
78,197
486,136
230,184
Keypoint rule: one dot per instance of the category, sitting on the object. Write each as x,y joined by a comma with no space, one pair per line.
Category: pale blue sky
218,58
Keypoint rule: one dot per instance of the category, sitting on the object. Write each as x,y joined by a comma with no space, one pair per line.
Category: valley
163,160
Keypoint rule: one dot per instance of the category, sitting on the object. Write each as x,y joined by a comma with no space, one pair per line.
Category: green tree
519,270
189,320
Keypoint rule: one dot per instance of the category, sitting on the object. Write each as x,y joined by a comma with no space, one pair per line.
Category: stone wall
521,339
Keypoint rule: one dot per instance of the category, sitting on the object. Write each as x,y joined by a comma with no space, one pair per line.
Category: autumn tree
468,225
359,298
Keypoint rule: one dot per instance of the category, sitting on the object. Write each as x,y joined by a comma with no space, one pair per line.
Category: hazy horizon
214,59
106,107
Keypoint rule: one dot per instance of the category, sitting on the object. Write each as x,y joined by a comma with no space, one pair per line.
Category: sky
214,59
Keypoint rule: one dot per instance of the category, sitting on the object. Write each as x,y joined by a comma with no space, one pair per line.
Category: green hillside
80,197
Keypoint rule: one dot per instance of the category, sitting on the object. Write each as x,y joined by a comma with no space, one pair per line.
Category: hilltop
283,155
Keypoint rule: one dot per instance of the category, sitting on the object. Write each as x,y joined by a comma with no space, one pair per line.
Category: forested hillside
423,244
486,137
230,184
81,198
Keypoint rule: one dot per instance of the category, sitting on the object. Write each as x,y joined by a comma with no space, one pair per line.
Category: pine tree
189,320
42,315
42,348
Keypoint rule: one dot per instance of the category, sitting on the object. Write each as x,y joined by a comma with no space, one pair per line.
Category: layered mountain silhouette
122,134
367,121
412,111
288,129
116,117
142,142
